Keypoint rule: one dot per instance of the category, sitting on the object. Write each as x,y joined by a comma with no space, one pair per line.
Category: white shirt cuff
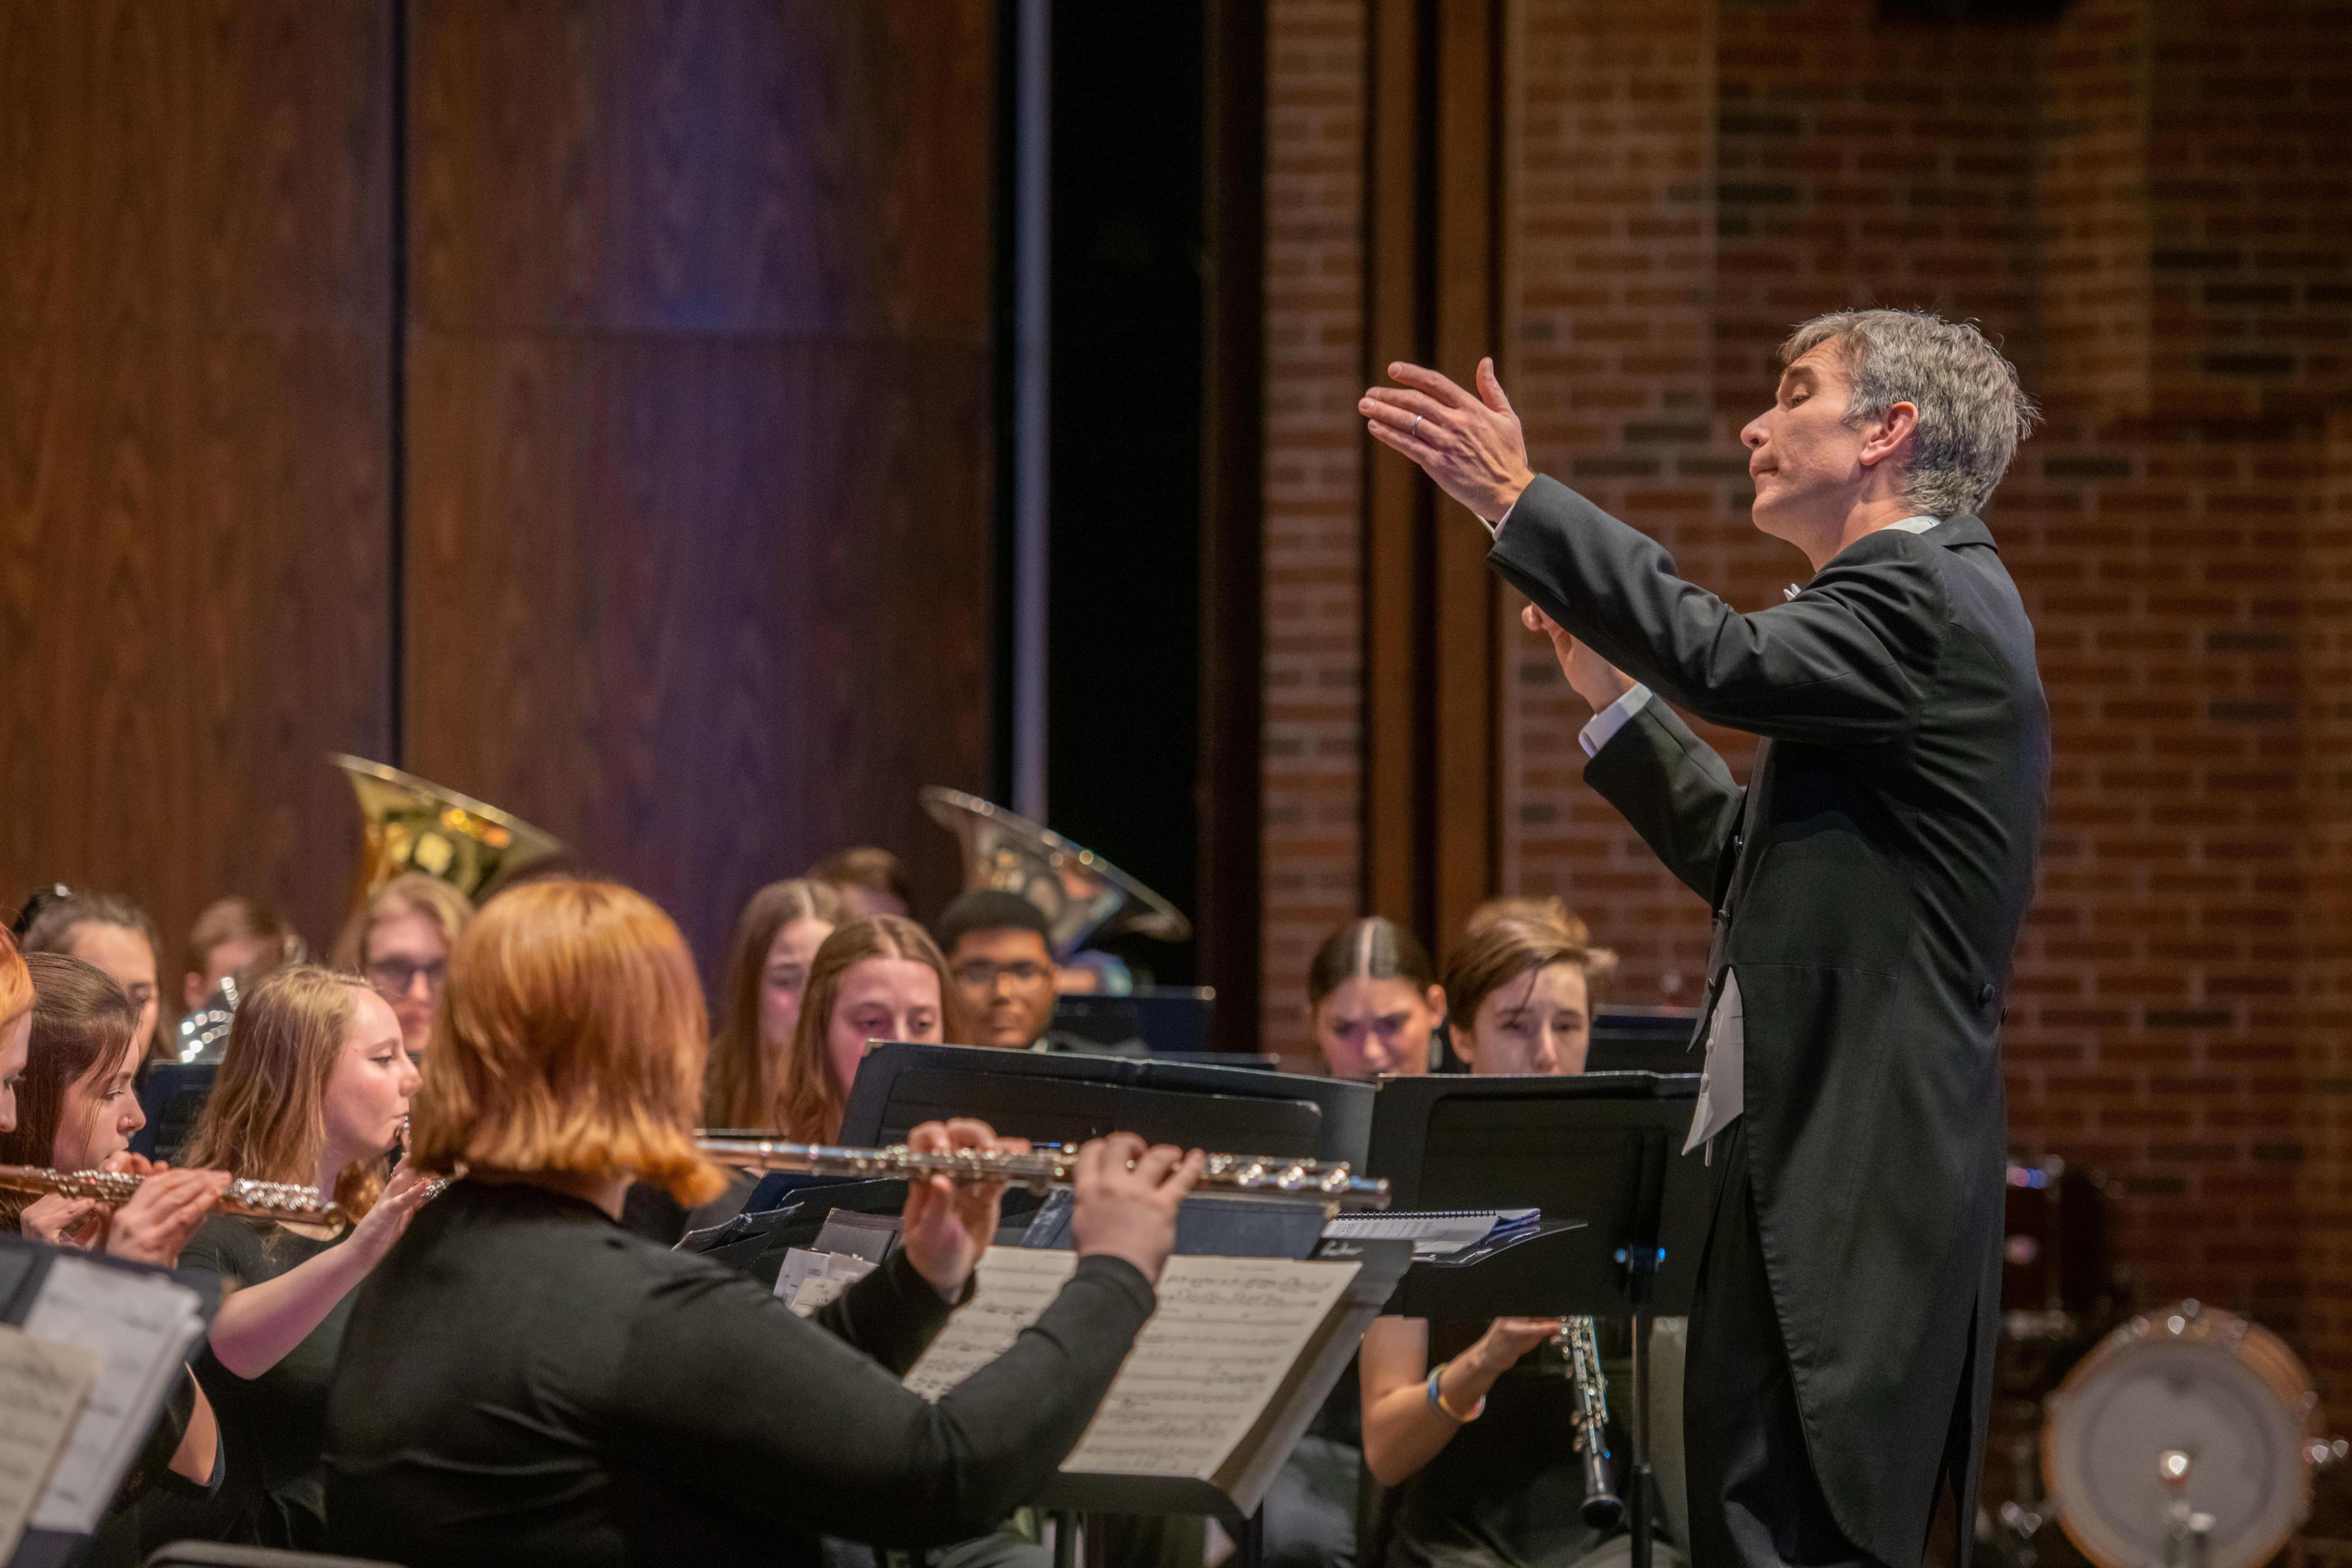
1602,727
1495,529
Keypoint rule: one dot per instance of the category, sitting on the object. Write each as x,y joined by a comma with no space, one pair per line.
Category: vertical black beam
1232,505
1004,392
396,395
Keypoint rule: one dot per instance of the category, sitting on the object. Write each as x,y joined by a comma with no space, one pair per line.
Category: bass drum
2184,1404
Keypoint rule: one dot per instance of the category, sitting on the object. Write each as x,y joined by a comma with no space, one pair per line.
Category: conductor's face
1806,463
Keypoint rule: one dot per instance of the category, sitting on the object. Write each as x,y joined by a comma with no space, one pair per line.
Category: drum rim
2272,1361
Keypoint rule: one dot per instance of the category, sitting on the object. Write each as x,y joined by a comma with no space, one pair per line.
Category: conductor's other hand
948,1223
1131,1214
1597,680
1472,446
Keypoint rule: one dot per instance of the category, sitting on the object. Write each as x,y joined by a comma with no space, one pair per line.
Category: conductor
1867,885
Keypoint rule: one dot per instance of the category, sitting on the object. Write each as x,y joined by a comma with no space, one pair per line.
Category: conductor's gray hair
1972,410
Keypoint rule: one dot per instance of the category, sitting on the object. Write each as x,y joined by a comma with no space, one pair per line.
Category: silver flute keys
258,1200
1577,1339
1236,1175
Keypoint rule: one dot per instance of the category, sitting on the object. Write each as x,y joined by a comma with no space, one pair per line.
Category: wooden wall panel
699,568
195,205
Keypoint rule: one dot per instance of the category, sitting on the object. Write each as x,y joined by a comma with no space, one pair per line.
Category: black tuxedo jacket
1868,886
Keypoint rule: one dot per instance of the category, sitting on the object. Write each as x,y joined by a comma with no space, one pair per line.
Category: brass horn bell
1084,896
411,823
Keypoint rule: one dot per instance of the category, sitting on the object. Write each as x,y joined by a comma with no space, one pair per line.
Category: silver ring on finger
1415,426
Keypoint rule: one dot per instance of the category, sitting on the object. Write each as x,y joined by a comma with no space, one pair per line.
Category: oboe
258,1200
1602,1508
1232,1176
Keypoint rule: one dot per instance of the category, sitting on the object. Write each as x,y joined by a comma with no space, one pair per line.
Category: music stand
1065,1097
1643,1039
1602,1149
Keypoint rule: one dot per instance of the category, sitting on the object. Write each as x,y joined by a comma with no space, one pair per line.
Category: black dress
1508,1491
523,1382
272,1427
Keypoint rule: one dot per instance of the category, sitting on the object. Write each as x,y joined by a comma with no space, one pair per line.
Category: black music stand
1065,1097
1602,1149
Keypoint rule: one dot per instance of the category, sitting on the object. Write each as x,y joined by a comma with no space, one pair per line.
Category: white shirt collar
1920,524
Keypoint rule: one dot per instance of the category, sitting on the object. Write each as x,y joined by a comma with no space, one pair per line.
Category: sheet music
43,1387
1204,1370
140,1326
1208,1364
1016,1284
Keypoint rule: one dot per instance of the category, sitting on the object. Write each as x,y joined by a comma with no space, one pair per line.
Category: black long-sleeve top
523,1383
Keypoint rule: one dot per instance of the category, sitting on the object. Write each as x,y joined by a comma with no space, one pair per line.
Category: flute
257,1199
1234,1176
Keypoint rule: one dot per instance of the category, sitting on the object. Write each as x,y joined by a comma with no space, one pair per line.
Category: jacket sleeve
721,1380
1674,790
1841,664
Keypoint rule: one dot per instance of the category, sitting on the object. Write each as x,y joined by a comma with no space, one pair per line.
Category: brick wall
1313,350
2147,203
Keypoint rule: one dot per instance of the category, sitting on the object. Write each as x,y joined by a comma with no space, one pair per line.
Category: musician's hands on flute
948,1223
1131,1213
164,1214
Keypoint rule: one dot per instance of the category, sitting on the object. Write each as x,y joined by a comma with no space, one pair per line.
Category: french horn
409,824
1085,898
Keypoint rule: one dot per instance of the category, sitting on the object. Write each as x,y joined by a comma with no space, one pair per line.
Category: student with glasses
1000,956
400,940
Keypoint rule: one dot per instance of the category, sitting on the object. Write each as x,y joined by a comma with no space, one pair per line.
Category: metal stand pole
1249,1546
1066,1526
1641,1277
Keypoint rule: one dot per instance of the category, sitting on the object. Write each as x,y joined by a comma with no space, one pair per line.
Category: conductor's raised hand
1130,1213
948,1223
1472,446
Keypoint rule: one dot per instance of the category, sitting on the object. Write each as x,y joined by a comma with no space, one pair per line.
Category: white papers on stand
1435,1235
1215,1353
43,1388
140,1326
809,1279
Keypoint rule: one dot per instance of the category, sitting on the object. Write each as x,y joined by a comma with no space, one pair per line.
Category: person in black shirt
312,1089
524,1384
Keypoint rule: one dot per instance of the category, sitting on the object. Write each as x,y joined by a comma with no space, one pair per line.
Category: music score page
1223,1339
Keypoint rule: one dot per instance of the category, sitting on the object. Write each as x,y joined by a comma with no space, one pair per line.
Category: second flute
1231,1176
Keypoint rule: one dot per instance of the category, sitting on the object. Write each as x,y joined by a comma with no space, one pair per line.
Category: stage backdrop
668,527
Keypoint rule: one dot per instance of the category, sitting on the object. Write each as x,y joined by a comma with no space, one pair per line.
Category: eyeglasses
980,973
394,978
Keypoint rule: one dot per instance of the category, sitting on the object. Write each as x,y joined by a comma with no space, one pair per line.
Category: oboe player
1867,885
523,1383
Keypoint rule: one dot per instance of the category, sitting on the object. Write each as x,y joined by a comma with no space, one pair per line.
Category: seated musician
767,974
1373,998
312,1092
869,881
111,932
401,940
525,1385
878,978
234,935
68,1042
999,954
1478,1455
